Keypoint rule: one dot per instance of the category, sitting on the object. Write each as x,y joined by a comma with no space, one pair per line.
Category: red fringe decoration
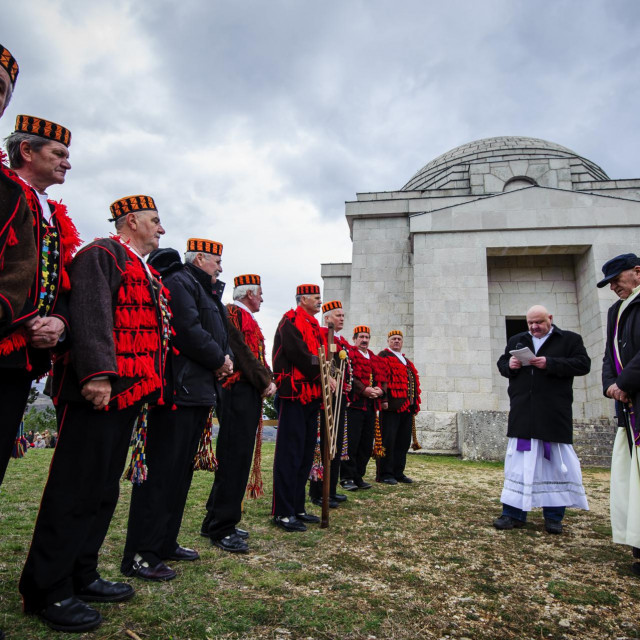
255,487
378,449
205,459
415,445
13,342
398,383
310,330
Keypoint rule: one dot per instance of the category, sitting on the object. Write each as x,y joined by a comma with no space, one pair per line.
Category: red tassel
12,238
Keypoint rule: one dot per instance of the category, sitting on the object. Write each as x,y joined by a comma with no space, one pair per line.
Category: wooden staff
325,375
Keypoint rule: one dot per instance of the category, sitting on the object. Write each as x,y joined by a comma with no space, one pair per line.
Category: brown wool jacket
17,250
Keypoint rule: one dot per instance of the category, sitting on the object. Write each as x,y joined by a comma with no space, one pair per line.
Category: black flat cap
616,266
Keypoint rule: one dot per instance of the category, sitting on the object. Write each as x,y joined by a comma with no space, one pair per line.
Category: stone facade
474,239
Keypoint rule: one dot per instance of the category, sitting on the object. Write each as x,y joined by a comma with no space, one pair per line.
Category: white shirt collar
243,306
398,355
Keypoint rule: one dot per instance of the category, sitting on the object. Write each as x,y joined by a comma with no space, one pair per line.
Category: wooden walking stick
325,375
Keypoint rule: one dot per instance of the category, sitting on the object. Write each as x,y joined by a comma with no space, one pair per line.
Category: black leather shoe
105,591
338,497
388,481
232,543
405,479
242,533
553,526
349,485
182,553
318,502
507,522
308,517
160,573
71,615
289,523
361,484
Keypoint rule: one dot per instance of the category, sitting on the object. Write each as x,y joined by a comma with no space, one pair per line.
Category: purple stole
632,415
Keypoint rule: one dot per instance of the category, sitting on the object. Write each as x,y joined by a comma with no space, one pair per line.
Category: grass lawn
406,562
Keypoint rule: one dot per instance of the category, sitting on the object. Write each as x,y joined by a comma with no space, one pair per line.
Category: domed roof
451,169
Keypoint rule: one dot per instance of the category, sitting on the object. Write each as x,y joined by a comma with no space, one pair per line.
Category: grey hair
13,141
190,256
299,298
242,290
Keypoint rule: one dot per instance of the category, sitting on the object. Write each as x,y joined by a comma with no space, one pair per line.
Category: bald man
541,468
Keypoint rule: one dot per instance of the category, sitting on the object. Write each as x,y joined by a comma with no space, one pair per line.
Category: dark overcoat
541,399
201,331
629,349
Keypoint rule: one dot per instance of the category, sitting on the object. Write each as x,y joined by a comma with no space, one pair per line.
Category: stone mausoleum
456,257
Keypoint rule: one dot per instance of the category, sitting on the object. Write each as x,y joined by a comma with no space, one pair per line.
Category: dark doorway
515,325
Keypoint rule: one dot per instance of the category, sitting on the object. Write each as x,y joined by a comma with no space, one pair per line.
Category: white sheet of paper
524,355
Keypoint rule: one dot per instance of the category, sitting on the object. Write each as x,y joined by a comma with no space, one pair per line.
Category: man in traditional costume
369,381
621,382
333,313
175,429
240,420
116,364
541,468
398,411
297,371
17,245
39,157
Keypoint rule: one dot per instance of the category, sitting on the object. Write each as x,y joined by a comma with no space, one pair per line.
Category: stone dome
517,155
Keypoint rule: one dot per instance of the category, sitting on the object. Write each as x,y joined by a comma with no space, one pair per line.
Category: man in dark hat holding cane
621,382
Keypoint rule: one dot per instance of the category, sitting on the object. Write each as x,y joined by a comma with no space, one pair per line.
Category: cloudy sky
252,122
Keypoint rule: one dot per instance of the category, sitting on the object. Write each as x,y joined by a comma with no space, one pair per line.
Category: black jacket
629,349
200,323
541,398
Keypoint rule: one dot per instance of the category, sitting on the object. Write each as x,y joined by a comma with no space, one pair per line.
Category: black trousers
360,431
396,438
157,505
315,486
14,393
78,502
295,445
241,406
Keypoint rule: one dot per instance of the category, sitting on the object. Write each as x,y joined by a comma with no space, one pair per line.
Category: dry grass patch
405,562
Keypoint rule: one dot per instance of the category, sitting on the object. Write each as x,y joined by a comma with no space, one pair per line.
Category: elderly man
241,413
369,382
297,371
398,410
120,316
174,429
333,313
17,245
39,156
541,468
621,382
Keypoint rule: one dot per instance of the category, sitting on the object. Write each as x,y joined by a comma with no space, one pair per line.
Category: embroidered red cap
307,290
204,246
131,204
9,64
330,306
361,328
43,128
247,278
394,332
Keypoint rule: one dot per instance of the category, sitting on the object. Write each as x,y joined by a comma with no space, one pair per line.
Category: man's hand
98,392
514,363
226,369
44,333
379,392
539,363
270,390
615,392
332,384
